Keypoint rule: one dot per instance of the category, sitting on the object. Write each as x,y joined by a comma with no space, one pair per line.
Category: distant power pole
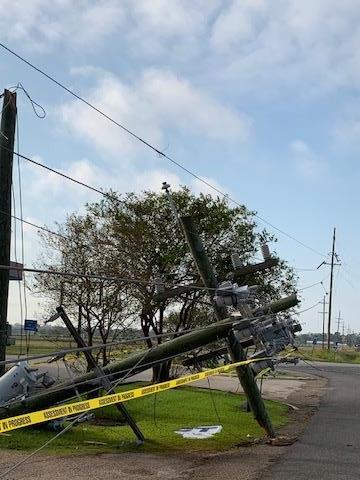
323,312
338,322
332,264
7,135
331,288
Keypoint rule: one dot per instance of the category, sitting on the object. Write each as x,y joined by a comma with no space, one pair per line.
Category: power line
92,276
60,353
306,309
40,227
152,147
57,172
310,286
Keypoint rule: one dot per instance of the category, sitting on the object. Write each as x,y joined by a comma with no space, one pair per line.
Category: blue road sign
31,325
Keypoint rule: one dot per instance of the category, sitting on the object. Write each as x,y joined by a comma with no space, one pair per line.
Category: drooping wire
152,147
27,337
306,309
38,109
16,260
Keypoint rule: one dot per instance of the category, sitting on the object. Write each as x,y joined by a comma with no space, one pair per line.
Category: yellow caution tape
40,416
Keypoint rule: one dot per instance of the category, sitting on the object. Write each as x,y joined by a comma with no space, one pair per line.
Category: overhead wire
31,224
149,145
109,344
122,279
306,309
64,175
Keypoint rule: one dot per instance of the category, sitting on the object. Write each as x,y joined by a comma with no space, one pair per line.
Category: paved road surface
330,446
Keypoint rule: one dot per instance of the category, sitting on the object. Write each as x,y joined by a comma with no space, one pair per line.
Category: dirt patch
245,462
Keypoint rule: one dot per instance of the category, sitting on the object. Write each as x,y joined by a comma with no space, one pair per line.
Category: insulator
265,250
235,260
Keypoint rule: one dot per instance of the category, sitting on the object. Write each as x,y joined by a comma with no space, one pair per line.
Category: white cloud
155,103
289,43
40,24
174,31
252,44
307,163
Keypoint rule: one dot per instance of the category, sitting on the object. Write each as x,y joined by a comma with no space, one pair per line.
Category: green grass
178,408
337,356
40,345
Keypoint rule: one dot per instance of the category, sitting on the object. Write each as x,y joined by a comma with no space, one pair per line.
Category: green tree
137,236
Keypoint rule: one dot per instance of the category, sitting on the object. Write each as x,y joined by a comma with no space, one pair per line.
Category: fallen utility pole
245,374
131,365
7,135
136,363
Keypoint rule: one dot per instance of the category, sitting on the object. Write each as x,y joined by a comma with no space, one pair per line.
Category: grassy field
324,355
40,345
158,418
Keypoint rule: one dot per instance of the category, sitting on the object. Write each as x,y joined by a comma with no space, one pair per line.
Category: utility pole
7,135
338,322
245,374
331,288
332,264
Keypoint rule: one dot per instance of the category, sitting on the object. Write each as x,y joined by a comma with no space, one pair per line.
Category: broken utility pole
136,363
7,135
245,374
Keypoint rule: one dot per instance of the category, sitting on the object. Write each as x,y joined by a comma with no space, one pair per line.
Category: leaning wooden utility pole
7,135
245,374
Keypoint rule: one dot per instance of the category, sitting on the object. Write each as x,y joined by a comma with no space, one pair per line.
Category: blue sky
259,98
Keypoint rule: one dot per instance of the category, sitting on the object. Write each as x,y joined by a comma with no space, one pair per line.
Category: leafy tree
137,237
100,306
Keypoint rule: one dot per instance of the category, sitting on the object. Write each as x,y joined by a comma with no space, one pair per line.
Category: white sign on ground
201,432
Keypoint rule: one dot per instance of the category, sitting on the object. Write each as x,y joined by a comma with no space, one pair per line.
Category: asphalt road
330,446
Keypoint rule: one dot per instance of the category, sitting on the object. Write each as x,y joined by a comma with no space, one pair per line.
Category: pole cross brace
100,373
